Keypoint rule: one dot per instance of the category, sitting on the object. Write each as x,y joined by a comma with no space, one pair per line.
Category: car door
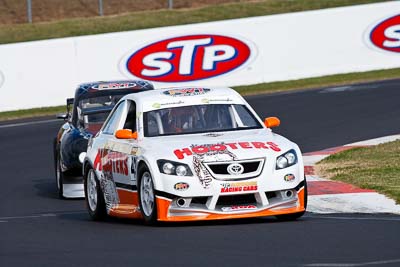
123,151
119,159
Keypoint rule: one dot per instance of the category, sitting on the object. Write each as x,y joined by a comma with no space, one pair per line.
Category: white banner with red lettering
224,53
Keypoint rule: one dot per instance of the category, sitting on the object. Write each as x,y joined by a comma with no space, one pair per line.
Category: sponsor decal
386,34
135,151
159,105
107,184
204,149
97,164
289,177
106,86
239,207
120,165
238,187
213,135
111,162
186,91
188,58
206,100
201,171
181,186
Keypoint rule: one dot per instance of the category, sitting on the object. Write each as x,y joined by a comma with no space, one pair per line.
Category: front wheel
59,176
94,196
147,200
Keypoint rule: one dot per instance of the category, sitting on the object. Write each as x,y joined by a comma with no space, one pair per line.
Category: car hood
219,146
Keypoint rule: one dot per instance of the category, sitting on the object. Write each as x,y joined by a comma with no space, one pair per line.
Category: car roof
180,96
105,87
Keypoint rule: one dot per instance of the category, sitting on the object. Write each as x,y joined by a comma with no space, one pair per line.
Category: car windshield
198,119
93,111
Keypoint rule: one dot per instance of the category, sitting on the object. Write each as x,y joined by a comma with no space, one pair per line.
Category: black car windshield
93,111
198,119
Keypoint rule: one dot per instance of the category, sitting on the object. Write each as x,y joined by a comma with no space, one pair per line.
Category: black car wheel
94,196
147,199
59,176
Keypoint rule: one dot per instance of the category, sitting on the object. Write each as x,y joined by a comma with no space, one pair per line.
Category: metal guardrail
29,10
100,8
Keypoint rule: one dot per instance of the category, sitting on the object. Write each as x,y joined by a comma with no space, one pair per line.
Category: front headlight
168,168
286,160
173,168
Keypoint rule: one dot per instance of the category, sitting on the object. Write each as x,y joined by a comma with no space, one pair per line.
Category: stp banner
224,53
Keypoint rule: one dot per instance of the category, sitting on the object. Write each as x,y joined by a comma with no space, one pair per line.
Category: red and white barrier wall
224,53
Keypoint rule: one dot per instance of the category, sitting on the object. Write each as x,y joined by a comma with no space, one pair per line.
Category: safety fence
22,11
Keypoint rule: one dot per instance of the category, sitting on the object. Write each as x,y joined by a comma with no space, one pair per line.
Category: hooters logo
386,34
188,58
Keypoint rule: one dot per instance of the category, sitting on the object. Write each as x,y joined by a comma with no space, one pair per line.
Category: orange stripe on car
128,207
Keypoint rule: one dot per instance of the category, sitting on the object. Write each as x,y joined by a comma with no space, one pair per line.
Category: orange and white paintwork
117,155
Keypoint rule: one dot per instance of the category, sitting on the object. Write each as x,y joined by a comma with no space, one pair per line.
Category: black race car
90,108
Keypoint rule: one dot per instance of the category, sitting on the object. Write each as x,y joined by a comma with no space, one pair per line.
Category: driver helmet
181,118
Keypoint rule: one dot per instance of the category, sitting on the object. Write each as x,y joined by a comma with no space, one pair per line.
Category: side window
130,122
114,119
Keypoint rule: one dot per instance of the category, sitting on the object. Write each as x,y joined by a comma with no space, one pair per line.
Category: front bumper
256,204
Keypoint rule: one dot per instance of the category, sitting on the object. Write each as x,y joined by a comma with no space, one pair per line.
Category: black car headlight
286,160
174,168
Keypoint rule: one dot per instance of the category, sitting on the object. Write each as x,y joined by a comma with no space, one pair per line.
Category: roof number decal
106,86
186,91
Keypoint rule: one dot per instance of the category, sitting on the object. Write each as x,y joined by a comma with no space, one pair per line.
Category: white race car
187,154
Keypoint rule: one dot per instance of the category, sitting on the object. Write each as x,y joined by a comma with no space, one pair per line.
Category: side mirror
63,116
125,134
272,122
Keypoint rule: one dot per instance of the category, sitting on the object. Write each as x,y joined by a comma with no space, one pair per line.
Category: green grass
376,167
159,18
33,112
334,80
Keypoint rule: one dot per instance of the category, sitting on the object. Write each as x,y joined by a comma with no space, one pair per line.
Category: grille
270,194
251,168
223,168
199,200
236,200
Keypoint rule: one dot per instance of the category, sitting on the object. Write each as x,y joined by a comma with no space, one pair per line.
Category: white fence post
170,4
29,10
101,8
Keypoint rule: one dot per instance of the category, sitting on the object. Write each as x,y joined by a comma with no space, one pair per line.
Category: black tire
59,175
96,205
295,216
149,215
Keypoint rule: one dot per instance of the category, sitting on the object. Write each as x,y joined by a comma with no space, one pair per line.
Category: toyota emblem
235,169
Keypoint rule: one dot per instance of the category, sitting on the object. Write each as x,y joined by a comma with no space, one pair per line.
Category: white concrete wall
283,47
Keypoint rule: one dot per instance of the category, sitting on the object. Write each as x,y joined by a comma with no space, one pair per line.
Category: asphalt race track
38,229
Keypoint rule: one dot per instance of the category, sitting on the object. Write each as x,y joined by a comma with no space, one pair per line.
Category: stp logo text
386,35
188,58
